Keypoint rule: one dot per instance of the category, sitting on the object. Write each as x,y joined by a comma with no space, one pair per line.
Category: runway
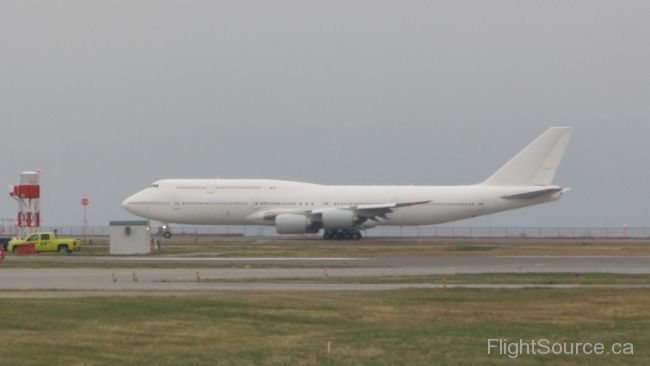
185,279
409,265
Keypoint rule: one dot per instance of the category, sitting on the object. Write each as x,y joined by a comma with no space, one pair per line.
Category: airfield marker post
329,351
84,203
444,283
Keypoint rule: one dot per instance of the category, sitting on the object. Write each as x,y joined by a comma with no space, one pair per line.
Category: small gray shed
130,237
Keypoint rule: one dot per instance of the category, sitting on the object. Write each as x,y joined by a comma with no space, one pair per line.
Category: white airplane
344,211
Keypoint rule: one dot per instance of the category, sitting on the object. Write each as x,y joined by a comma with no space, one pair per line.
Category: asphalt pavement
185,279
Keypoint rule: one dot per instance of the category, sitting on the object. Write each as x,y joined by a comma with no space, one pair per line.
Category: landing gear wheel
340,235
327,236
167,235
356,235
347,236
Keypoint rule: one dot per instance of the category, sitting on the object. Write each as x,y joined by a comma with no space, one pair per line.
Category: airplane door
211,186
256,203
326,202
480,205
176,203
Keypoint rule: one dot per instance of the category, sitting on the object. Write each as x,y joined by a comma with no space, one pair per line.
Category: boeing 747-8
345,211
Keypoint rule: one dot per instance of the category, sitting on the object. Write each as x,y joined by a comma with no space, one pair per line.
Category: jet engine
335,219
294,224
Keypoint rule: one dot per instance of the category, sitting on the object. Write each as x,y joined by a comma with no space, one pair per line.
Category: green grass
405,327
170,264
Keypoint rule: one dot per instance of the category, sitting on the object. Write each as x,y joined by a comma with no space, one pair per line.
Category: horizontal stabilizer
533,193
537,163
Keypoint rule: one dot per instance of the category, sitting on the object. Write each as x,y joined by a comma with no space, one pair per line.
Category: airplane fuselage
244,201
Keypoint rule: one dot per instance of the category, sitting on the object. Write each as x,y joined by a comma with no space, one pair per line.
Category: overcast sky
107,97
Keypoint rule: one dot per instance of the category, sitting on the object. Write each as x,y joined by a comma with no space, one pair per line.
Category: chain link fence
384,231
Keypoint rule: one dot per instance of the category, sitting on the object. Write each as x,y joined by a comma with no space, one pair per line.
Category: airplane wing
370,212
362,212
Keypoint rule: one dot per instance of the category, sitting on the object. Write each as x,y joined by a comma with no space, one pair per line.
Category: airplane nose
127,204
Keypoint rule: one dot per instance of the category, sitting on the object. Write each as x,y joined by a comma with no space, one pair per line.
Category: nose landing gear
342,235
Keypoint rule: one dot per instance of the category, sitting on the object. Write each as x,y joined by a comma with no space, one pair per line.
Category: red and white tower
28,195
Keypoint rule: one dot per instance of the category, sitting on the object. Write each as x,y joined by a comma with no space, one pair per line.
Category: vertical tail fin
537,163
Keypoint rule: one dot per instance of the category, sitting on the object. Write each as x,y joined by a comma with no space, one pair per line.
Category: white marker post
329,351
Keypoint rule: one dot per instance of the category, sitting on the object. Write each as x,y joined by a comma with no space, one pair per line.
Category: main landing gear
342,235
167,233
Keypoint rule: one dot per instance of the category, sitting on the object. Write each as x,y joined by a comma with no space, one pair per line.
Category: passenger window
45,237
33,237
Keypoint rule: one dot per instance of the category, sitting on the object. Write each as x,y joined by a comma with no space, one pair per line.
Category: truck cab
41,241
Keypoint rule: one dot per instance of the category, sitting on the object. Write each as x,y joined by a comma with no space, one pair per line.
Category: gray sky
107,97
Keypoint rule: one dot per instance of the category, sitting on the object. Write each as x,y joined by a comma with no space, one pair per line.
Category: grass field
251,247
401,327
405,327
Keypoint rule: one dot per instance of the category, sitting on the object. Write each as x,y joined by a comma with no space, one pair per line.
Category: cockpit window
155,186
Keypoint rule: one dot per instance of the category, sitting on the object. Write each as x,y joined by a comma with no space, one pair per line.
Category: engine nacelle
291,224
335,219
